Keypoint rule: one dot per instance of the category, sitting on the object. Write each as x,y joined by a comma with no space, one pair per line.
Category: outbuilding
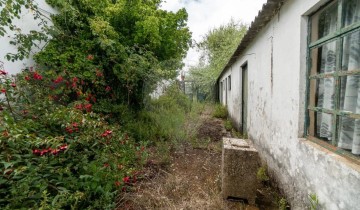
293,87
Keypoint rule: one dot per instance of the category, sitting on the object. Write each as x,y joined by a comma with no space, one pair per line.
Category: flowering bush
55,152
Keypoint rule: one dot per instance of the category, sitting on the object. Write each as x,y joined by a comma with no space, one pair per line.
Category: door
226,87
244,100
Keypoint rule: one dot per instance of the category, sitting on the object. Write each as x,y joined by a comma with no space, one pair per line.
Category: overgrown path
191,177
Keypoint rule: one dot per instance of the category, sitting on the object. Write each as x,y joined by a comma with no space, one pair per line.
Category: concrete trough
240,163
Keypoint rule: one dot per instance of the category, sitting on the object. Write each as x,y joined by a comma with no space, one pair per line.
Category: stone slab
240,163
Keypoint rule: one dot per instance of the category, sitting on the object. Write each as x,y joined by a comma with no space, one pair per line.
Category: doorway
244,100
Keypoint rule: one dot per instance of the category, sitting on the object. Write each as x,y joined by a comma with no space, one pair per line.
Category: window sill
338,154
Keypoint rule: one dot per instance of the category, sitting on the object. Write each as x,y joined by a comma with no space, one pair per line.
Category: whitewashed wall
276,113
25,23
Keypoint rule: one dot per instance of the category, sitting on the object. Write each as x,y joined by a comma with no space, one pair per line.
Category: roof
268,11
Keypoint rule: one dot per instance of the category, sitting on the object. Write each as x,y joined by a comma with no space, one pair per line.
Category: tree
131,43
216,48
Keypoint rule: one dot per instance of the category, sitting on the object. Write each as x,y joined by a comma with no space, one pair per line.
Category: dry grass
174,192
183,174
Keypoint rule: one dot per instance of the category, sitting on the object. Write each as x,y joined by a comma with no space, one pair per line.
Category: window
334,75
229,79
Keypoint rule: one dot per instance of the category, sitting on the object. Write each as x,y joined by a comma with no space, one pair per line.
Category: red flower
88,98
90,57
3,90
99,74
69,130
106,133
117,183
5,133
13,85
108,88
37,76
54,151
58,79
75,79
27,78
106,165
45,151
88,107
126,179
79,106
3,72
63,147
36,152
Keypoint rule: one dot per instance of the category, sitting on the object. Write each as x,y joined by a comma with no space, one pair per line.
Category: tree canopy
216,48
132,43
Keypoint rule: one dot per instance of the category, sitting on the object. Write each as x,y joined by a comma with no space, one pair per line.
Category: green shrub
262,174
163,118
228,125
55,155
220,111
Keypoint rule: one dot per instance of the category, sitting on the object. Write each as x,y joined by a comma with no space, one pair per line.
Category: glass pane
351,52
324,22
321,125
349,135
322,93
350,94
351,12
323,58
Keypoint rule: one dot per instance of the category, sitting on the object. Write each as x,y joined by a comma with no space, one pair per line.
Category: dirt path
192,179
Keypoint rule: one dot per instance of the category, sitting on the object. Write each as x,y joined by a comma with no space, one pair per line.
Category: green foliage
228,125
282,204
134,43
314,201
55,155
24,42
162,119
217,46
220,111
262,174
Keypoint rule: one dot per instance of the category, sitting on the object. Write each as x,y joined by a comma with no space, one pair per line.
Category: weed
220,112
314,201
228,125
262,174
282,203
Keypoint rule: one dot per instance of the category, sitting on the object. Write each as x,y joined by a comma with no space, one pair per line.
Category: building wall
276,109
25,23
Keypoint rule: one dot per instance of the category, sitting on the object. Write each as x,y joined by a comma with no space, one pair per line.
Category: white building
293,86
26,23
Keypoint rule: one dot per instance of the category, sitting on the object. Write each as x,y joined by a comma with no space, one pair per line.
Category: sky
208,14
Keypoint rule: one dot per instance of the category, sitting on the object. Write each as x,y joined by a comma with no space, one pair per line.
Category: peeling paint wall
276,61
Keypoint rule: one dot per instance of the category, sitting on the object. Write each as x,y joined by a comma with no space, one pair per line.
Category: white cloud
207,14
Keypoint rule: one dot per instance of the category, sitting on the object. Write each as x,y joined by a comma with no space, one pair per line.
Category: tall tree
131,43
216,48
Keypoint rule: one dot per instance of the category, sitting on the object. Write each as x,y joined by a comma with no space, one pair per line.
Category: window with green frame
334,75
